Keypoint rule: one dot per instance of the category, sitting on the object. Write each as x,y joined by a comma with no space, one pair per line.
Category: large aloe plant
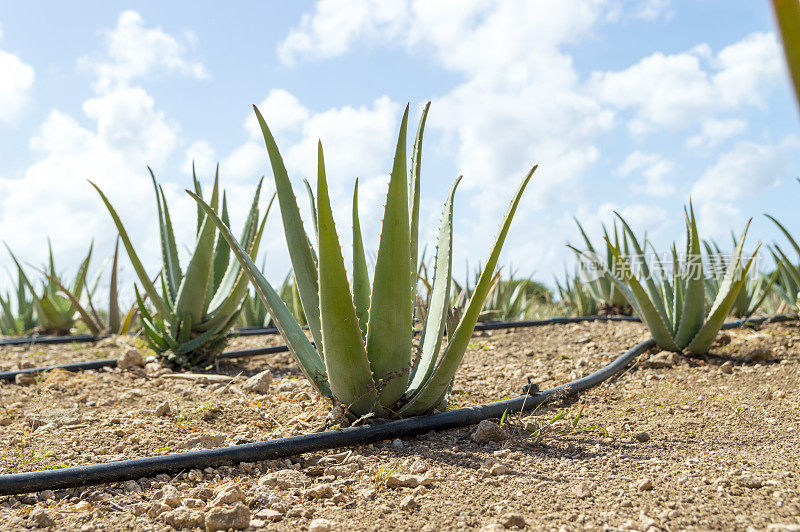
197,306
364,357
672,305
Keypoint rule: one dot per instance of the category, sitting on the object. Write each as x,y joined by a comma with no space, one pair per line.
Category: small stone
760,354
132,358
660,360
5,421
131,486
408,503
367,493
499,469
25,379
194,503
285,479
204,441
169,495
511,519
776,395
183,517
228,517
163,409
227,494
407,481
645,484
750,482
268,514
492,527
397,443
155,509
726,367
323,491
319,525
419,467
582,491
722,339
41,518
258,383
643,437
488,431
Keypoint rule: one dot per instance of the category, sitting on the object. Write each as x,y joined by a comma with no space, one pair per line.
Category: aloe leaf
694,294
191,298
222,255
148,286
413,194
233,289
312,202
304,353
650,284
346,360
300,251
433,330
735,277
787,13
788,235
199,191
390,314
169,251
114,323
361,287
94,327
433,391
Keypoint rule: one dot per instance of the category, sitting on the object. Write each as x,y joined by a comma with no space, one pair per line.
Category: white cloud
677,90
715,132
17,81
656,170
652,10
745,171
202,155
336,24
121,130
133,51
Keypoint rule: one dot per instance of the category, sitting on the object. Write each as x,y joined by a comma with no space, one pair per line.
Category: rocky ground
674,443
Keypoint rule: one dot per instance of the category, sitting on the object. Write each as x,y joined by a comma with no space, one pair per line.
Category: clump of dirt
673,443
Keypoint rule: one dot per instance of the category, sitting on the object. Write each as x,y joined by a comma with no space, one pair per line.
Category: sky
633,106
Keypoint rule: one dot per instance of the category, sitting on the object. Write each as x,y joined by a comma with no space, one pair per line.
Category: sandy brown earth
672,444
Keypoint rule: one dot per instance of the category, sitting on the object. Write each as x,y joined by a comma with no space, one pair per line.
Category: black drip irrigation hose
122,470
265,331
73,477
259,351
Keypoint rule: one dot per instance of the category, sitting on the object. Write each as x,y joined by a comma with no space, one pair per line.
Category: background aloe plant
754,291
197,306
608,298
55,311
364,356
17,314
672,305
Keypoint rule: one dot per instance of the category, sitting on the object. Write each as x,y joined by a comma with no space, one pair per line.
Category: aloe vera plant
196,306
672,305
787,285
17,315
576,296
114,322
55,311
608,298
256,314
754,291
363,356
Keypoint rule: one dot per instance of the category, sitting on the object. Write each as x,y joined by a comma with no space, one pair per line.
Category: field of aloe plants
651,389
